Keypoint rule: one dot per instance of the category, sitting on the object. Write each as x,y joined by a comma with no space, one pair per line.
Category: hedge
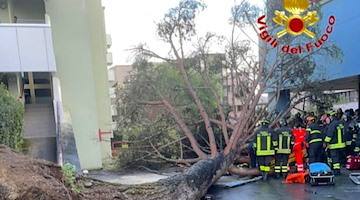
11,119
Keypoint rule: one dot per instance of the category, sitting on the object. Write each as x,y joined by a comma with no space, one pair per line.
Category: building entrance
38,88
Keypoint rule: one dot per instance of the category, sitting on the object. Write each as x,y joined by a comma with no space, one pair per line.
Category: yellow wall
6,15
80,52
99,49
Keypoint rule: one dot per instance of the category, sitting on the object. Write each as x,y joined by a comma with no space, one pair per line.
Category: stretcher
320,174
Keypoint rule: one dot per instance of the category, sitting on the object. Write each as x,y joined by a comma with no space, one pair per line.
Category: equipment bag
353,163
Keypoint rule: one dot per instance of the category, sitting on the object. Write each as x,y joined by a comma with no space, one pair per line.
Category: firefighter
264,147
283,144
334,141
356,138
314,140
350,129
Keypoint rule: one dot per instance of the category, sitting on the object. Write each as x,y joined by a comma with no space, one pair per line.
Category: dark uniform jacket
335,135
348,134
263,141
283,140
357,142
313,133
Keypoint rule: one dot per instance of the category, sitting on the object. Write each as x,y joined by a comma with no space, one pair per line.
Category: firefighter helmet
282,122
332,113
310,118
264,121
353,126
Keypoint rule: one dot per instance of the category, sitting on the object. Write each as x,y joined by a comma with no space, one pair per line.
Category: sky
131,22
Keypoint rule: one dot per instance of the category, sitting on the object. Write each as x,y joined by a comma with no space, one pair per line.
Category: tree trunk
22,177
193,184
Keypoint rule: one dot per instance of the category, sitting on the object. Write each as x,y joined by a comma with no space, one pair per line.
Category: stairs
39,121
40,131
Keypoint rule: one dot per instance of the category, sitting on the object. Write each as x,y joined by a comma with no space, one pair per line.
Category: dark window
41,77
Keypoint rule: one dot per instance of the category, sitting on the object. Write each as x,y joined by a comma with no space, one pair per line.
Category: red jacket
299,138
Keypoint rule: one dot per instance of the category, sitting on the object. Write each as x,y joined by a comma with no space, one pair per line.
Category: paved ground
127,178
43,148
275,189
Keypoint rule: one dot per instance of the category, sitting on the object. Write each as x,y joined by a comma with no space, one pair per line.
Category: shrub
11,119
69,171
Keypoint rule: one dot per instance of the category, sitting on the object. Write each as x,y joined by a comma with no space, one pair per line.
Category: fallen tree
22,177
203,131
222,140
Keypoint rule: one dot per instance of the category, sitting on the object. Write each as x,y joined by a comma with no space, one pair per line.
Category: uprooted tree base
22,177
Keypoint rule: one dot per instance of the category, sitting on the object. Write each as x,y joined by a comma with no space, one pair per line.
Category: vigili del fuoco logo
296,23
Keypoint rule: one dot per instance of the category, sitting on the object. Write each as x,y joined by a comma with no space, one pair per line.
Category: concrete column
284,102
14,85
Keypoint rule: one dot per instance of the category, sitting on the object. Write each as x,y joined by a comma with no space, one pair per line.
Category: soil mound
22,177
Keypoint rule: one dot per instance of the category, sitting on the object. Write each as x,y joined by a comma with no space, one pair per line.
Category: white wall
26,48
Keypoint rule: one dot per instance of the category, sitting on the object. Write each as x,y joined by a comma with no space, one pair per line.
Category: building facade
54,59
343,77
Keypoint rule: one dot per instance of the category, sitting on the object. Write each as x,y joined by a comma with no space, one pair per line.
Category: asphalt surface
277,189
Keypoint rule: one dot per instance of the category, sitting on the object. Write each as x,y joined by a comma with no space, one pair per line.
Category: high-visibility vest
336,141
285,140
263,142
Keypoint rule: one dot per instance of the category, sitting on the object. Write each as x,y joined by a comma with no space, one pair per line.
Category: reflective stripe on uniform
339,134
268,151
284,151
357,149
277,169
336,166
300,168
315,140
266,169
327,139
280,148
329,160
339,143
315,132
265,153
275,143
284,169
337,146
348,143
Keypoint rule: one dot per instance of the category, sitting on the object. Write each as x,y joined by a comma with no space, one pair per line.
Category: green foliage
69,171
146,125
11,119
